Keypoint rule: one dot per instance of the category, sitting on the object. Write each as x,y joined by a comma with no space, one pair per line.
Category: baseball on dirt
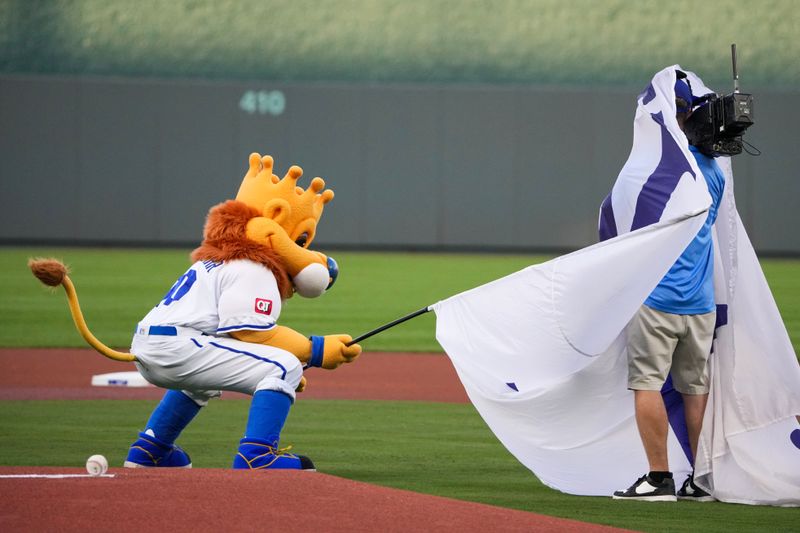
97,465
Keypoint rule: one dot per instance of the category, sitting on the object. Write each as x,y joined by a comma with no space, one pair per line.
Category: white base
119,379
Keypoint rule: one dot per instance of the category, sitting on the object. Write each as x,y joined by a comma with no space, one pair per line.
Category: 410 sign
263,102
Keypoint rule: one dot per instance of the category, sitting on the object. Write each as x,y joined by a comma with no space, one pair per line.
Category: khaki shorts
662,343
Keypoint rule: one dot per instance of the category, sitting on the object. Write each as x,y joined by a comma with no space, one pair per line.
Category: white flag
541,353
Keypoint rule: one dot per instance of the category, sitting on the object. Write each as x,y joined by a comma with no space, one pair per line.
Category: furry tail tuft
49,271
53,273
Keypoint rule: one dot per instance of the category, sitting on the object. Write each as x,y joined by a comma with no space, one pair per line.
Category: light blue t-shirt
688,287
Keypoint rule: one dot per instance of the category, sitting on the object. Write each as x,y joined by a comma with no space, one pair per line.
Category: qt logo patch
263,306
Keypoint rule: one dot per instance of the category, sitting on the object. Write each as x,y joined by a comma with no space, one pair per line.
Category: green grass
783,276
441,449
118,287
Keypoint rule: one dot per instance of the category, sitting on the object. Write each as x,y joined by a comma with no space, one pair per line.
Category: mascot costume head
273,221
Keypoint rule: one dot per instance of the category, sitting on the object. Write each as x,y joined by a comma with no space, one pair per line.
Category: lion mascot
216,329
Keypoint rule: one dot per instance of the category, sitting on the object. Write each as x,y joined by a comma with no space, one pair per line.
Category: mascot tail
53,273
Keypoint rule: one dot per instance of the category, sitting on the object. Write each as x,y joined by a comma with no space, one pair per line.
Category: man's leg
694,407
652,422
690,372
651,341
691,379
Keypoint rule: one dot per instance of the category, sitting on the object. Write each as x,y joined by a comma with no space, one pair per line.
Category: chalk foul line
49,476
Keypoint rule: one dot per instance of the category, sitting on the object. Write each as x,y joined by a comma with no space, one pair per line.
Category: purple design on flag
795,437
608,226
722,320
648,94
661,183
512,385
722,316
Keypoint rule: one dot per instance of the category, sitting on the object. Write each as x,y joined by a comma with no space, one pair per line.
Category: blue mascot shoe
258,454
148,452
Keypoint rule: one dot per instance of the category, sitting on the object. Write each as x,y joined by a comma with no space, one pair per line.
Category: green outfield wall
414,166
562,42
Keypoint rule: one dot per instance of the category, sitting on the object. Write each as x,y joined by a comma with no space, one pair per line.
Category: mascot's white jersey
183,342
217,298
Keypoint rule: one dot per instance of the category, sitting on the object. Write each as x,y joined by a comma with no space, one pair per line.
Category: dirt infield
228,500
28,374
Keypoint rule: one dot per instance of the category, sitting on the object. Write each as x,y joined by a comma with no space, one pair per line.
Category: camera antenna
735,73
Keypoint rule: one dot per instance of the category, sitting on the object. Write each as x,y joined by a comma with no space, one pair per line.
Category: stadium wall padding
414,166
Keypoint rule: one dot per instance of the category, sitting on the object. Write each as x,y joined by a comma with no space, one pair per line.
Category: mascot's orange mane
225,239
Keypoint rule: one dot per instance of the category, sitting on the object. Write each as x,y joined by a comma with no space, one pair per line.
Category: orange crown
281,199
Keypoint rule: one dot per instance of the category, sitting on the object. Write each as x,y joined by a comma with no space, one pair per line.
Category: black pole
389,325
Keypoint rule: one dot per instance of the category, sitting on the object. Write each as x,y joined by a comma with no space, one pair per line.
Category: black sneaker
647,490
690,491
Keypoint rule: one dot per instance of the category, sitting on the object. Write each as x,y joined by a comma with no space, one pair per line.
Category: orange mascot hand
331,351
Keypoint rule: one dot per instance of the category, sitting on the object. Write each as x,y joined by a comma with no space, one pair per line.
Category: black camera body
717,126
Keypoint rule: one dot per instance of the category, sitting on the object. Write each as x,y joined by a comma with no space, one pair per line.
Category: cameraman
672,334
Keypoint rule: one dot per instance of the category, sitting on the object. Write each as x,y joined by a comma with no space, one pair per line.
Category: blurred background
441,124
